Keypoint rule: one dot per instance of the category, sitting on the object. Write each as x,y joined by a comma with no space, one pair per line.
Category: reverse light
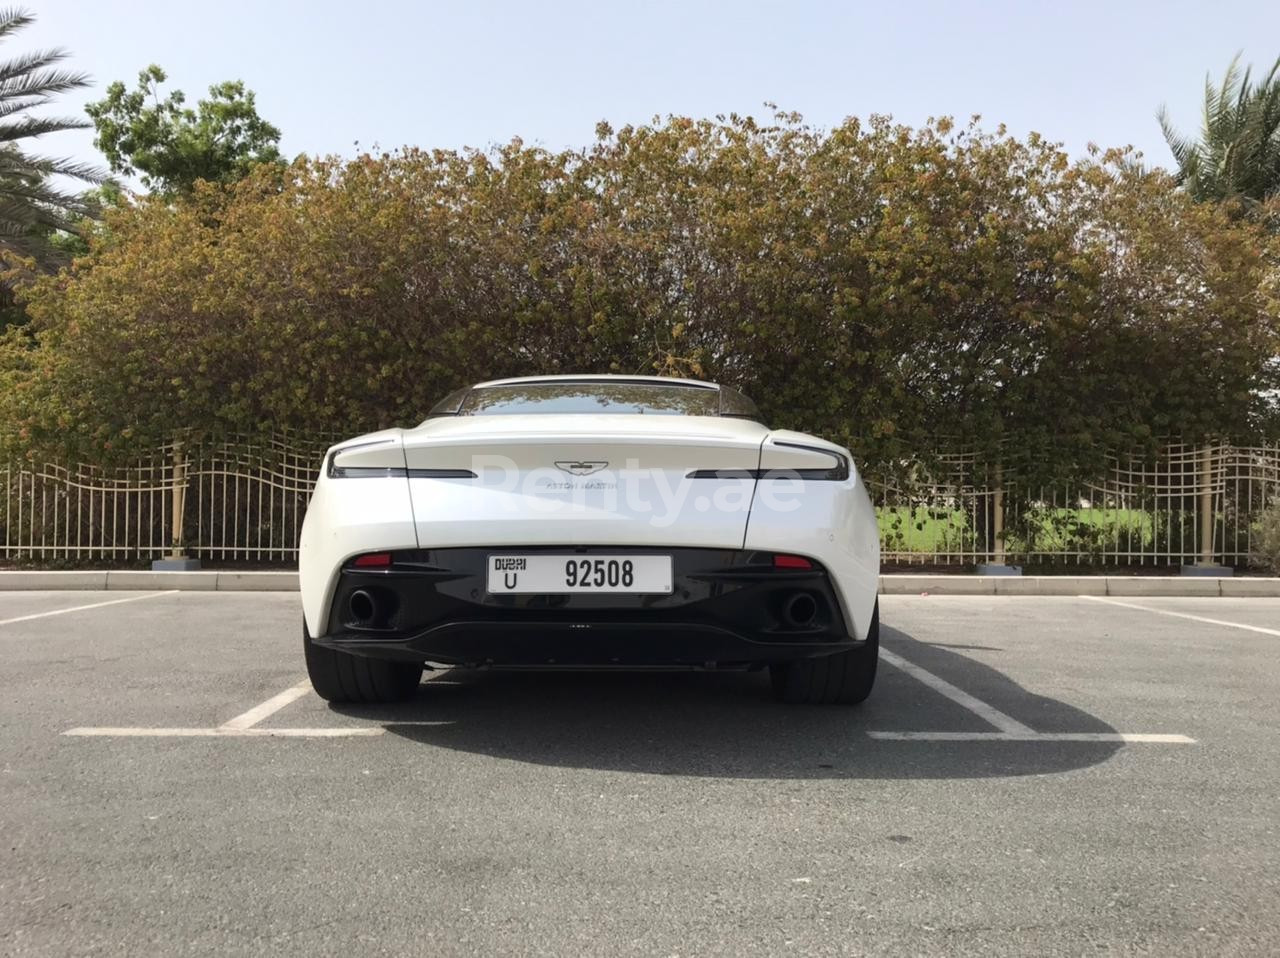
373,560
791,562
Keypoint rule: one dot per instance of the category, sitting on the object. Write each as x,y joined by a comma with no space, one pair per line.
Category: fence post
997,518
997,564
1205,565
1206,506
177,560
179,493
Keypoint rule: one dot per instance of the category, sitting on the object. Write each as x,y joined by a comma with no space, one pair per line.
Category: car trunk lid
582,480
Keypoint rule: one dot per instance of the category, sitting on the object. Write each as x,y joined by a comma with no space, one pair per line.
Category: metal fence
235,501
1187,504
243,501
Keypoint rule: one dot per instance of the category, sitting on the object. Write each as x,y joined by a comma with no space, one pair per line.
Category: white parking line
988,713
81,608
225,732
1148,737
1183,615
1011,730
245,725
269,707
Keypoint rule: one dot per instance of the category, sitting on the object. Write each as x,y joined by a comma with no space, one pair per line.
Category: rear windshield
633,398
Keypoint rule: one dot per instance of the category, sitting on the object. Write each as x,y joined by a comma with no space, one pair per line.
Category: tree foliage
1266,538
1237,154
34,211
881,285
170,146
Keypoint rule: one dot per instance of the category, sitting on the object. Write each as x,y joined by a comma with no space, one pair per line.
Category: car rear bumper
728,607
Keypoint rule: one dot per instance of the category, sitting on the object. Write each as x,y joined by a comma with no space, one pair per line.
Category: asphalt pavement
1032,775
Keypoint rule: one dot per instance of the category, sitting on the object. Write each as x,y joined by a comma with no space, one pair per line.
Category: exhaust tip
362,606
799,610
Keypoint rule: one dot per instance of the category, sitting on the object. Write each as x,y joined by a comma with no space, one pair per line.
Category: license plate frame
517,573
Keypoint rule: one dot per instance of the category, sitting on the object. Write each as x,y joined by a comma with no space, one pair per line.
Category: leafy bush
877,284
1266,538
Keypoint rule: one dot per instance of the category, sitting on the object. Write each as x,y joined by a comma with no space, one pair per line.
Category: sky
392,72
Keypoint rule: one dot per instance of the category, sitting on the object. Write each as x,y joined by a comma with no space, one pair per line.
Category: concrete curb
284,581
144,581
1150,585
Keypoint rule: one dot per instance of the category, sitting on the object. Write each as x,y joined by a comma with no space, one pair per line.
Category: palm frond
28,127
43,166
32,208
35,63
1184,148
8,107
13,19
16,216
1237,153
43,83
39,191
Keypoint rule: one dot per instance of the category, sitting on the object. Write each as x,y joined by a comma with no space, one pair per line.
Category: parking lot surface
1030,776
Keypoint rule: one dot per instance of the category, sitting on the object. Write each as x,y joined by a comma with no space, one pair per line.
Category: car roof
591,377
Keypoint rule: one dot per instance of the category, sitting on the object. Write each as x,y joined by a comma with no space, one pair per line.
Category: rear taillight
359,461
795,460
791,562
373,560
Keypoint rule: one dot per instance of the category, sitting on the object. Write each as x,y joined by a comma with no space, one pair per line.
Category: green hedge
880,285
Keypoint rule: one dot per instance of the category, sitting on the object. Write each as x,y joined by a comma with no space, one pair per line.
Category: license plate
579,573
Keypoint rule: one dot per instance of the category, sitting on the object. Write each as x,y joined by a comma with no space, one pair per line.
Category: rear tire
845,678
340,677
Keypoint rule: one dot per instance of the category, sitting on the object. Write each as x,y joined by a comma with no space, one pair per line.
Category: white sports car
590,521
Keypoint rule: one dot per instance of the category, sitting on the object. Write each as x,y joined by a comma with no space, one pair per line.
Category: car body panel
727,605
827,520
592,481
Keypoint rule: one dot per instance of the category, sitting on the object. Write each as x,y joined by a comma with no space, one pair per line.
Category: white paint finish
1184,615
1154,738
378,450
641,495
269,707
465,431
654,505
110,732
81,608
832,522
988,713
346,517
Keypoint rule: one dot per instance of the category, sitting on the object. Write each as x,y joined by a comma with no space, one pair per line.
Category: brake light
373,560
791,562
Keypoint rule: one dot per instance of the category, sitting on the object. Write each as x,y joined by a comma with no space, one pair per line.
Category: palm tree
1237,154
33,208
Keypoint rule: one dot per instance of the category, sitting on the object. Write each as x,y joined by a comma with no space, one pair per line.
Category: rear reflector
791,562
374,560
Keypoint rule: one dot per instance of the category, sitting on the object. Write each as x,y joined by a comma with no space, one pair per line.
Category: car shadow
726,725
